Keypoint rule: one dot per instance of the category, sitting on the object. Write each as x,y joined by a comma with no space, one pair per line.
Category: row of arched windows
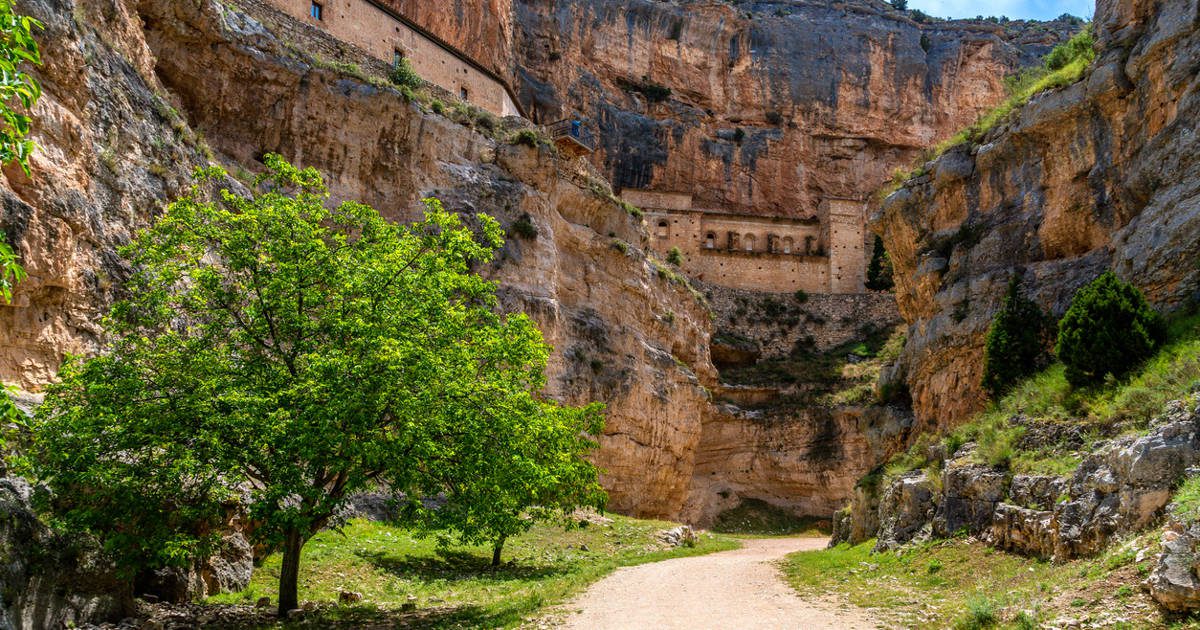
749,242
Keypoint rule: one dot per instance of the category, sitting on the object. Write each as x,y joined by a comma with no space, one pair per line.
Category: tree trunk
496,549
289,573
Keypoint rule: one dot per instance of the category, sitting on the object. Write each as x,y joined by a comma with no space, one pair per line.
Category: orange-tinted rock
1101,174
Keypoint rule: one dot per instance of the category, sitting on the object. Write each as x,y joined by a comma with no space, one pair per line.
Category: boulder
969,497
682,536
1173,581
905,510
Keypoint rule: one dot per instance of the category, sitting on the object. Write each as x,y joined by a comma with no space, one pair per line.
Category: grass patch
545,566
965,584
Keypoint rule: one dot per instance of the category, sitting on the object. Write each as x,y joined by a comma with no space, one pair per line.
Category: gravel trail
741,589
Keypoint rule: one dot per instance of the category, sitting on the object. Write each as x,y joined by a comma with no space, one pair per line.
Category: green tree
488,499
290,351
10,274
1109,329
1018,342
17,47
879,270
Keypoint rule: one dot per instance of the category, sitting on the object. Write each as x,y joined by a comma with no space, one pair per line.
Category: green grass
964,584
457,587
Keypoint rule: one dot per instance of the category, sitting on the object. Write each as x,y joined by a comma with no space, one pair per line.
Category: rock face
119,143
1101,174
1173,582
773,106
1120,488
806,461
47,582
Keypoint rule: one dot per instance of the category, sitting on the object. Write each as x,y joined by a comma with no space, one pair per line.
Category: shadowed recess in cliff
634,144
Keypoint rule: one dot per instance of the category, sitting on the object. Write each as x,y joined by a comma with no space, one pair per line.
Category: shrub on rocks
1109,329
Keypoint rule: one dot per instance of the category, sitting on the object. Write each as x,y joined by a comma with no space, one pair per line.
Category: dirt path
740,589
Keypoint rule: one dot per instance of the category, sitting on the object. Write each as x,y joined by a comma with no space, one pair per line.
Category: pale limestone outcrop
806,461
1121,488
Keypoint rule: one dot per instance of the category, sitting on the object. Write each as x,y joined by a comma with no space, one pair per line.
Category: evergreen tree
879,271
1018,341
1109,329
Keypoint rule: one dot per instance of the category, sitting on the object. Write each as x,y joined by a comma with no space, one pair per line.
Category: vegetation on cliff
282,355
1109,329
1065,64
1072,418
1018,341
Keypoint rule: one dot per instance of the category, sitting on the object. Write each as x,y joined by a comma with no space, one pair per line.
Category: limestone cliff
159,77
1102,174
772,105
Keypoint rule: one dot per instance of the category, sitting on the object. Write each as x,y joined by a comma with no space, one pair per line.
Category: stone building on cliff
386,34
824,253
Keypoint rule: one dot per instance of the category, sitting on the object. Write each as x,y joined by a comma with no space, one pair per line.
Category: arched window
710,240
748,241
664,229
787,244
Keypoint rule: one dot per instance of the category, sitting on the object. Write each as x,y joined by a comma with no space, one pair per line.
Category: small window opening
317,11
463,94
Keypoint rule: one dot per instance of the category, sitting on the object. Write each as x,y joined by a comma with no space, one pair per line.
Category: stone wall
377,30
775,254
847,254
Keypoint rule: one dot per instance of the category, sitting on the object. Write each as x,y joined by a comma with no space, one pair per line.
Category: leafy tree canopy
284,355
17,46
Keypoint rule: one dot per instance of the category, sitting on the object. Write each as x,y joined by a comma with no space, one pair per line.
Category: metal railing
574,130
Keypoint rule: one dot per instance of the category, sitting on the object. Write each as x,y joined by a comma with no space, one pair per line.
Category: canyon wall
1102,174
773,106
137,92
170,85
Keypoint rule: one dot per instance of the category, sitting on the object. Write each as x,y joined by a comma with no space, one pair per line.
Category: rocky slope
1120,488
773,105
1101,174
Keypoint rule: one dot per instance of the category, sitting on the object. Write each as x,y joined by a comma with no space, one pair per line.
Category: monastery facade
822,254
389,36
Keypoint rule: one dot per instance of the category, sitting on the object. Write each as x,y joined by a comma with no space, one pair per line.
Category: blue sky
1017,9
